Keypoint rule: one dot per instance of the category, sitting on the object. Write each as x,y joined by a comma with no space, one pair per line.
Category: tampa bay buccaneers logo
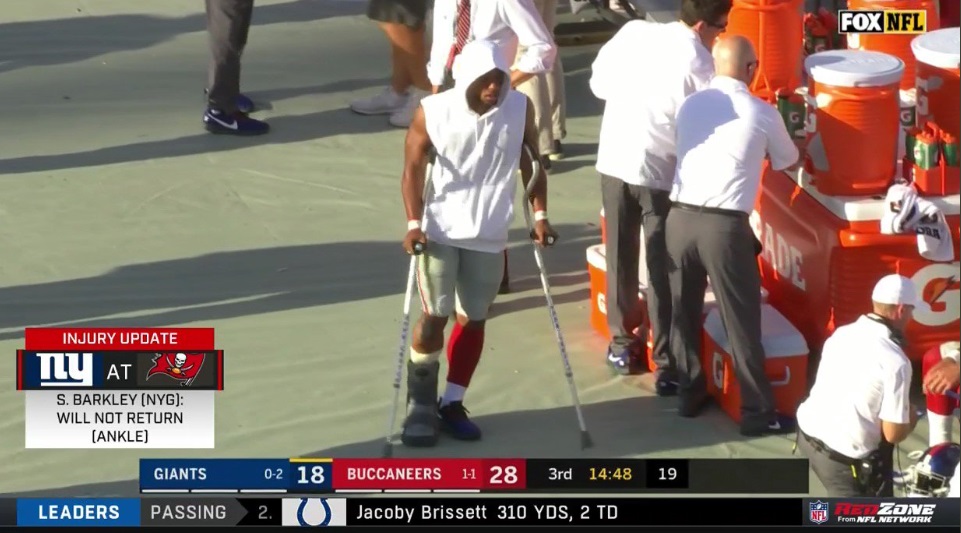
183,367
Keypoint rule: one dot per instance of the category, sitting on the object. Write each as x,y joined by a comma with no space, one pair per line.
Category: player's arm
417,148
538,196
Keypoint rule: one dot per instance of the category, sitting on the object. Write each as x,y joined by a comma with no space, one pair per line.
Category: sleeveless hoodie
474,175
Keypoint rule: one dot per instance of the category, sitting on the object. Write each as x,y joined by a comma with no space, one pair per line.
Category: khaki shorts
450,278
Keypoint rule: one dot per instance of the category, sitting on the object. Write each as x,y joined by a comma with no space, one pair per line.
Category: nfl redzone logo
882,21
884,513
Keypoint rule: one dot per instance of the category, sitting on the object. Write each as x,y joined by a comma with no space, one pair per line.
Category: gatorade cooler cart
820,227
597,271
823,255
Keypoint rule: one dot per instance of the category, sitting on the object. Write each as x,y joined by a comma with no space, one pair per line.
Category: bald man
723,135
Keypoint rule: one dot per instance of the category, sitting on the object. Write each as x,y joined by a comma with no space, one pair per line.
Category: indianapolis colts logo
302,511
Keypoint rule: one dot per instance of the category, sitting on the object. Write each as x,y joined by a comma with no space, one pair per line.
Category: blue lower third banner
98,512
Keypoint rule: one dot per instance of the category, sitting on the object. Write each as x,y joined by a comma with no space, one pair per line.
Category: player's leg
436,279
940,406
477,283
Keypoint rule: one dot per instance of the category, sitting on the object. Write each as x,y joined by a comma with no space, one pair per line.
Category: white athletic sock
453,393
418,358
939,428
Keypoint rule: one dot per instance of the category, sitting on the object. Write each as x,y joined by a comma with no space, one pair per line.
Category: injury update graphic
120,388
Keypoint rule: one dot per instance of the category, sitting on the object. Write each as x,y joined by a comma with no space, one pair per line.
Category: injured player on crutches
476,130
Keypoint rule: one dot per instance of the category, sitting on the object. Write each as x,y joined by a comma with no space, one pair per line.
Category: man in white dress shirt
723,136
643,74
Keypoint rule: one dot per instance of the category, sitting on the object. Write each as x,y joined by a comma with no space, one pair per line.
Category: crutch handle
419,248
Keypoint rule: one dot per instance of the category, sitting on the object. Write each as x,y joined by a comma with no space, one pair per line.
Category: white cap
895,289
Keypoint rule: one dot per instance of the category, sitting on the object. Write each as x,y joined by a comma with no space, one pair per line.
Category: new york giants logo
66,369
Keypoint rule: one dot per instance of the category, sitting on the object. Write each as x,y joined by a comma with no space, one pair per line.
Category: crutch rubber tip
586,441
388,451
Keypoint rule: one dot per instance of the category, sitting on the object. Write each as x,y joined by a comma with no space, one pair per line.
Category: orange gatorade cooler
853,123
896,44
822,256
938,84
786,363
776,28
597,272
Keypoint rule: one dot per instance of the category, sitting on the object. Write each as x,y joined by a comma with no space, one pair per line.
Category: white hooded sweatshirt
474,176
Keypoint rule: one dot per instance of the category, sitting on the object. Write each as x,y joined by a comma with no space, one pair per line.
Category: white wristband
540,215
413,224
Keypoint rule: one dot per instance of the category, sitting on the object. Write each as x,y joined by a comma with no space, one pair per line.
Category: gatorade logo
602,303
940,287
890,21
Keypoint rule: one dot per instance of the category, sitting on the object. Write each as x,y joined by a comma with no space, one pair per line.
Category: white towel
906,212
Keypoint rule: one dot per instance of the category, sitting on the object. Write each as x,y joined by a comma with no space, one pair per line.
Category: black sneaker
624,362
454,421
217,121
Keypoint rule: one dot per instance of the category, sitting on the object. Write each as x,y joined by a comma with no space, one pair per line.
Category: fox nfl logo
314,512
889,21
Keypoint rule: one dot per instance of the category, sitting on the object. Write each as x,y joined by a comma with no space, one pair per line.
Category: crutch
539,259
405,323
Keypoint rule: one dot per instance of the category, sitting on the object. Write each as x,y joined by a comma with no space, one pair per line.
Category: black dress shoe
693,404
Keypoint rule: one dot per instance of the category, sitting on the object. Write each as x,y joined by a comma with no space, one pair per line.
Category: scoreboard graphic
386,476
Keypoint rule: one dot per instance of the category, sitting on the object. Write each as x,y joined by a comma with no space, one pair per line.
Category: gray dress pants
228,22
627,210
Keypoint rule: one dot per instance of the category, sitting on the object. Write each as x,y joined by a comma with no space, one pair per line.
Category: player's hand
942,377
543,233
415,242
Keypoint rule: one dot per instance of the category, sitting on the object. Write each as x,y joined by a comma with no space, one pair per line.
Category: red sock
941,404
463,353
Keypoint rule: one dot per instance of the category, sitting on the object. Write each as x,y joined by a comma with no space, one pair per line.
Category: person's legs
436,282
228,23
555,88
688,283
656,205
622,215
477,284
409,43
728,251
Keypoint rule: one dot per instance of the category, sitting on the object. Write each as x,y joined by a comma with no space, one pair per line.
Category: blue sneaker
624,362
453,418
243,103
216,121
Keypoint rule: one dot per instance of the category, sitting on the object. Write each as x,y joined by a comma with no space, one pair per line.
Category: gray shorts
450,278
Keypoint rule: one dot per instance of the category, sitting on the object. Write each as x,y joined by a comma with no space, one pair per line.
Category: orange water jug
776,28
898,45
939,84
853,120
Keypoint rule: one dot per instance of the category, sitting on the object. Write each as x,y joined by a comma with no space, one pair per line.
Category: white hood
476,59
